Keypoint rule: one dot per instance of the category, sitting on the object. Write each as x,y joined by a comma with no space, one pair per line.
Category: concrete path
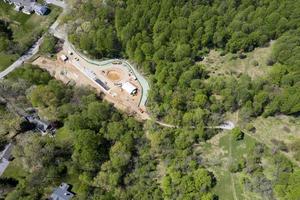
227,125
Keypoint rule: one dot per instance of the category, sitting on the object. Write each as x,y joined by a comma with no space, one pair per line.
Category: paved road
58,3
32,51
60,33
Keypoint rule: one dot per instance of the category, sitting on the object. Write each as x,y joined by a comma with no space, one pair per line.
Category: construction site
117,82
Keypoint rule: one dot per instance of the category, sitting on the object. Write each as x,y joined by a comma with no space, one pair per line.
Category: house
40,125
128,87
40,9
62,193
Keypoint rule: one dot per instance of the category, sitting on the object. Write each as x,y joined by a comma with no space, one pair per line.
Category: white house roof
128,87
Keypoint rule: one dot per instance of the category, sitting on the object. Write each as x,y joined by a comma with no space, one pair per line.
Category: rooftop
62,193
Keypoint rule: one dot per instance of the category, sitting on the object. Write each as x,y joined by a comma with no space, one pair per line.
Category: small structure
64,58
18,7
27,10
62,193
128,87
40,10
42,126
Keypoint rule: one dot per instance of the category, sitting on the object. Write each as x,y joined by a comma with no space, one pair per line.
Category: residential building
62,193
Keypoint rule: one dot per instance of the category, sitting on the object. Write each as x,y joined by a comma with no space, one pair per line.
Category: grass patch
284,129
6,60
254,64
14,171
226,150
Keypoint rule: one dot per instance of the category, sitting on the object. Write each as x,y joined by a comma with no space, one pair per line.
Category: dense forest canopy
167,38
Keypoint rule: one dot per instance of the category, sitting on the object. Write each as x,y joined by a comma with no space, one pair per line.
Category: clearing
254,64
218,154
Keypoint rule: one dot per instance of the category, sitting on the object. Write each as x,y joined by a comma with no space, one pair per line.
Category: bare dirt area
64,72
113,77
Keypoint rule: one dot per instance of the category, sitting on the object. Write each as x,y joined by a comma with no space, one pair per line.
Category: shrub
270,62
237,134
255,63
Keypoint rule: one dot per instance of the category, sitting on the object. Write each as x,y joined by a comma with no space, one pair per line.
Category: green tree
237,133
49,44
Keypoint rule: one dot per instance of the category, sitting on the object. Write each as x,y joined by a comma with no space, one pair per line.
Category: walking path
35,47
231,175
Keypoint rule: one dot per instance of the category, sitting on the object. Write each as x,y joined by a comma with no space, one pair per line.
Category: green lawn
14,171
26,29
226,185
63,135
6,60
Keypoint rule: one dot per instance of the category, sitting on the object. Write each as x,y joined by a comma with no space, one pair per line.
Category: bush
250,127
237,166
242,56
255,63
237,134
270,62
49,45
280,145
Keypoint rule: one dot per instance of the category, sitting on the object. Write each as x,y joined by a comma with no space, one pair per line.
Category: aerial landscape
149,99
